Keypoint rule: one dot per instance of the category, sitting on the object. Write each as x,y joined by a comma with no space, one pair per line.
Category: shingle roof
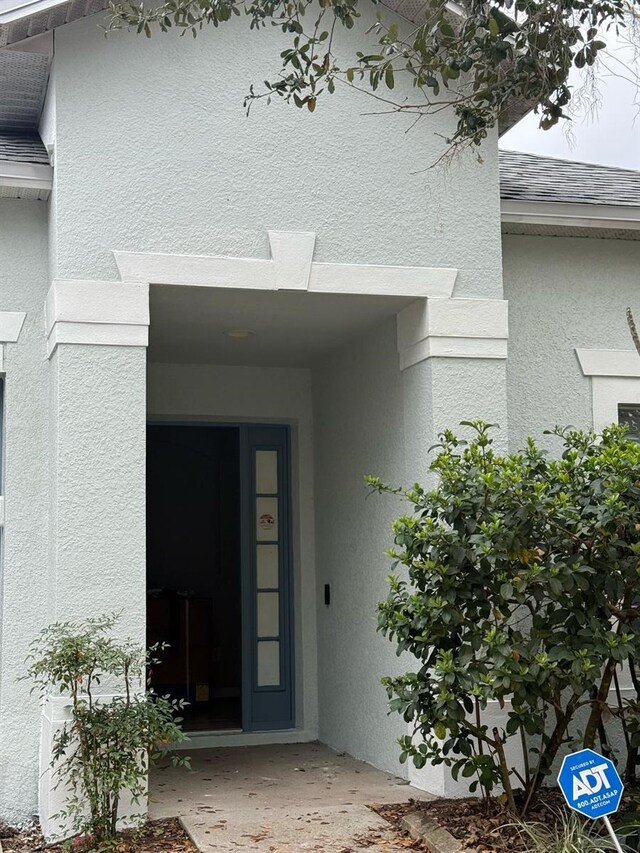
530,177
23,148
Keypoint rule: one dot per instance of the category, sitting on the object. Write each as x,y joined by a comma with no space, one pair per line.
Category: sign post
592,787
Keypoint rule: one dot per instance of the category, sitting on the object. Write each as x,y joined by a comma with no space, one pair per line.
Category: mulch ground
485,828
481,827
158,836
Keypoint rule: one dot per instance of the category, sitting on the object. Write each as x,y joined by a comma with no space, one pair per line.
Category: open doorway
194,570
219,573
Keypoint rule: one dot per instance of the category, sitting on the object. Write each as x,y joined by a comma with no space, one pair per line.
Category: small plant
568,833
117,727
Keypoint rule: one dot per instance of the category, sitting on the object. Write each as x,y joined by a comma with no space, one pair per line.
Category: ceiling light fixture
240,334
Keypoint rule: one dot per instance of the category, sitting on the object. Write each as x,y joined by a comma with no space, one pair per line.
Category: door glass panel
268,614
266,519
268,663
266,472
267,567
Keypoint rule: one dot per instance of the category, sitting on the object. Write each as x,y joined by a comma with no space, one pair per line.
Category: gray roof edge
534,178
547,159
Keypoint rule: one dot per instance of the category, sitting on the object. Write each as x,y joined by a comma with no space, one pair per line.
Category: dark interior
193,570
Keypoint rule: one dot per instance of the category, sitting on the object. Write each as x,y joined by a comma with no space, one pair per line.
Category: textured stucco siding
25,607
371,418
98,482
563,293
358,408
154,152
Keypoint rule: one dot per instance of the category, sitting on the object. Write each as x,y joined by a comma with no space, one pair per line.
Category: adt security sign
591,786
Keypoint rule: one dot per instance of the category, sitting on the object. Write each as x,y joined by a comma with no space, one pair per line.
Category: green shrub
106,747
519,585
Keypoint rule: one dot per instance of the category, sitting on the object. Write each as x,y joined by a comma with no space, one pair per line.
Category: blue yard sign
591,786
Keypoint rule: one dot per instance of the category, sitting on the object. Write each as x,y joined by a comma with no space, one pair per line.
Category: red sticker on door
266,521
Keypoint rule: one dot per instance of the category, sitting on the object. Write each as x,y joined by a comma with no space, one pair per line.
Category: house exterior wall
564,293
358,406
372,418
154,152
25,604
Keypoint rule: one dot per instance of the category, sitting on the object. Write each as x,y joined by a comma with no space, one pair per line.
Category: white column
453,361
97,334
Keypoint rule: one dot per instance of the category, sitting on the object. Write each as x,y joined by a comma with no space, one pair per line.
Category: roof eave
25,10
570,214
34,178
517,110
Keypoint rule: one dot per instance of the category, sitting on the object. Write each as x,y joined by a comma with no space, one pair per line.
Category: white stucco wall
184,393
563,293
358,407
154,152
371,418
98,444
25,607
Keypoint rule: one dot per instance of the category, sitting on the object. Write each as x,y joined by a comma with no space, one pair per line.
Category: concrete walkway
280,799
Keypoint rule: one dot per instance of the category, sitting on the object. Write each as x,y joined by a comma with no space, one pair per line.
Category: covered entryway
256,414
362,365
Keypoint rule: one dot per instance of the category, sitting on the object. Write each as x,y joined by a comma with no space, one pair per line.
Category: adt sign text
590,784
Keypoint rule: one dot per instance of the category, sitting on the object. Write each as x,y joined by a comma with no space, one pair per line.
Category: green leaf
388,77
506,591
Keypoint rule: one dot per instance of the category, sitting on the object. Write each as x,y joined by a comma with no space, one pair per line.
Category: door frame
246,536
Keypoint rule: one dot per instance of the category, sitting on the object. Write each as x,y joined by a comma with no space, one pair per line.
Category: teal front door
266,573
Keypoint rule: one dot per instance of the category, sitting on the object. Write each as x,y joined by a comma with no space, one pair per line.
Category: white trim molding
11,323
609,362
615,380
452,328
290,267
571,214
108,313
31,176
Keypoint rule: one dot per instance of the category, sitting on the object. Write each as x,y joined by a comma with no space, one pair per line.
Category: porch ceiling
189,325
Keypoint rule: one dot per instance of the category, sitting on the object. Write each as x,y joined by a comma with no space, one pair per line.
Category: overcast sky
611,136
